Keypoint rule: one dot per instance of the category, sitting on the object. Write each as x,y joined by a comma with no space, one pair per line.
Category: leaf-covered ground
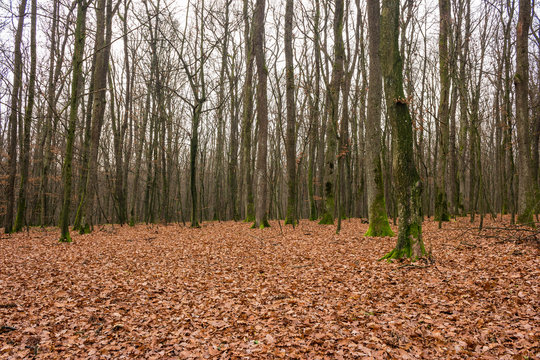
228,291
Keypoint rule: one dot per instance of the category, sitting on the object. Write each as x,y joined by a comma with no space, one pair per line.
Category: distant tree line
151,111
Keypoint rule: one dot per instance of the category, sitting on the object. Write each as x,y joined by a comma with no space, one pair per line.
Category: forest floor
228,291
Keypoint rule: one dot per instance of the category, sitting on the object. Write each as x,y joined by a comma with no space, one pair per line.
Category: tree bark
464,105
314,116
247,115
408,184
119,125
13,117
80,34
45,146
218,194
261,212
25,163
378,220
103,45
87,115
441,202
527,192
333,108
233,159
290,144
122,185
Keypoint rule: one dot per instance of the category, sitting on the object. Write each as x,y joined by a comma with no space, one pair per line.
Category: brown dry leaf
228,291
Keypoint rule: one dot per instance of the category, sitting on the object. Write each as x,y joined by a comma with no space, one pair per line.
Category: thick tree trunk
408,184
527,192
333,108
378,220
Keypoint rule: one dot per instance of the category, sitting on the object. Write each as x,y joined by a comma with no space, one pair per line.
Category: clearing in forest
228,291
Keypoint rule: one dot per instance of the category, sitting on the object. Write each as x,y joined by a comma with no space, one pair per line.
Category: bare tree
104,14
247,115
333,108
14,113
219,188
25,151
80,35
441,203
378,220
290,145
408,184
527,192
261,211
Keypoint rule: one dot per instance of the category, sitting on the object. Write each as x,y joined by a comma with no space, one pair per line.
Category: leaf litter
226,291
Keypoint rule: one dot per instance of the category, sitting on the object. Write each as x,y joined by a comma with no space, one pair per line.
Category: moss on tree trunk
378,220
328,216
407,181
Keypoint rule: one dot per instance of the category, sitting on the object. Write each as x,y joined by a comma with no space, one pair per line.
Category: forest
269,179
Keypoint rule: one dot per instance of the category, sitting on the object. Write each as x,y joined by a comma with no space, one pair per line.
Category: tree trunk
527,192
103,41
463,107
233,160
13,117
118,129
290,145
25,164
194,143
261,216
314,117
86,145
135,214
218,194
247,115
475,169
123,201
50,114
441,202
78,53
199,93
331,135
408,184
378,220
